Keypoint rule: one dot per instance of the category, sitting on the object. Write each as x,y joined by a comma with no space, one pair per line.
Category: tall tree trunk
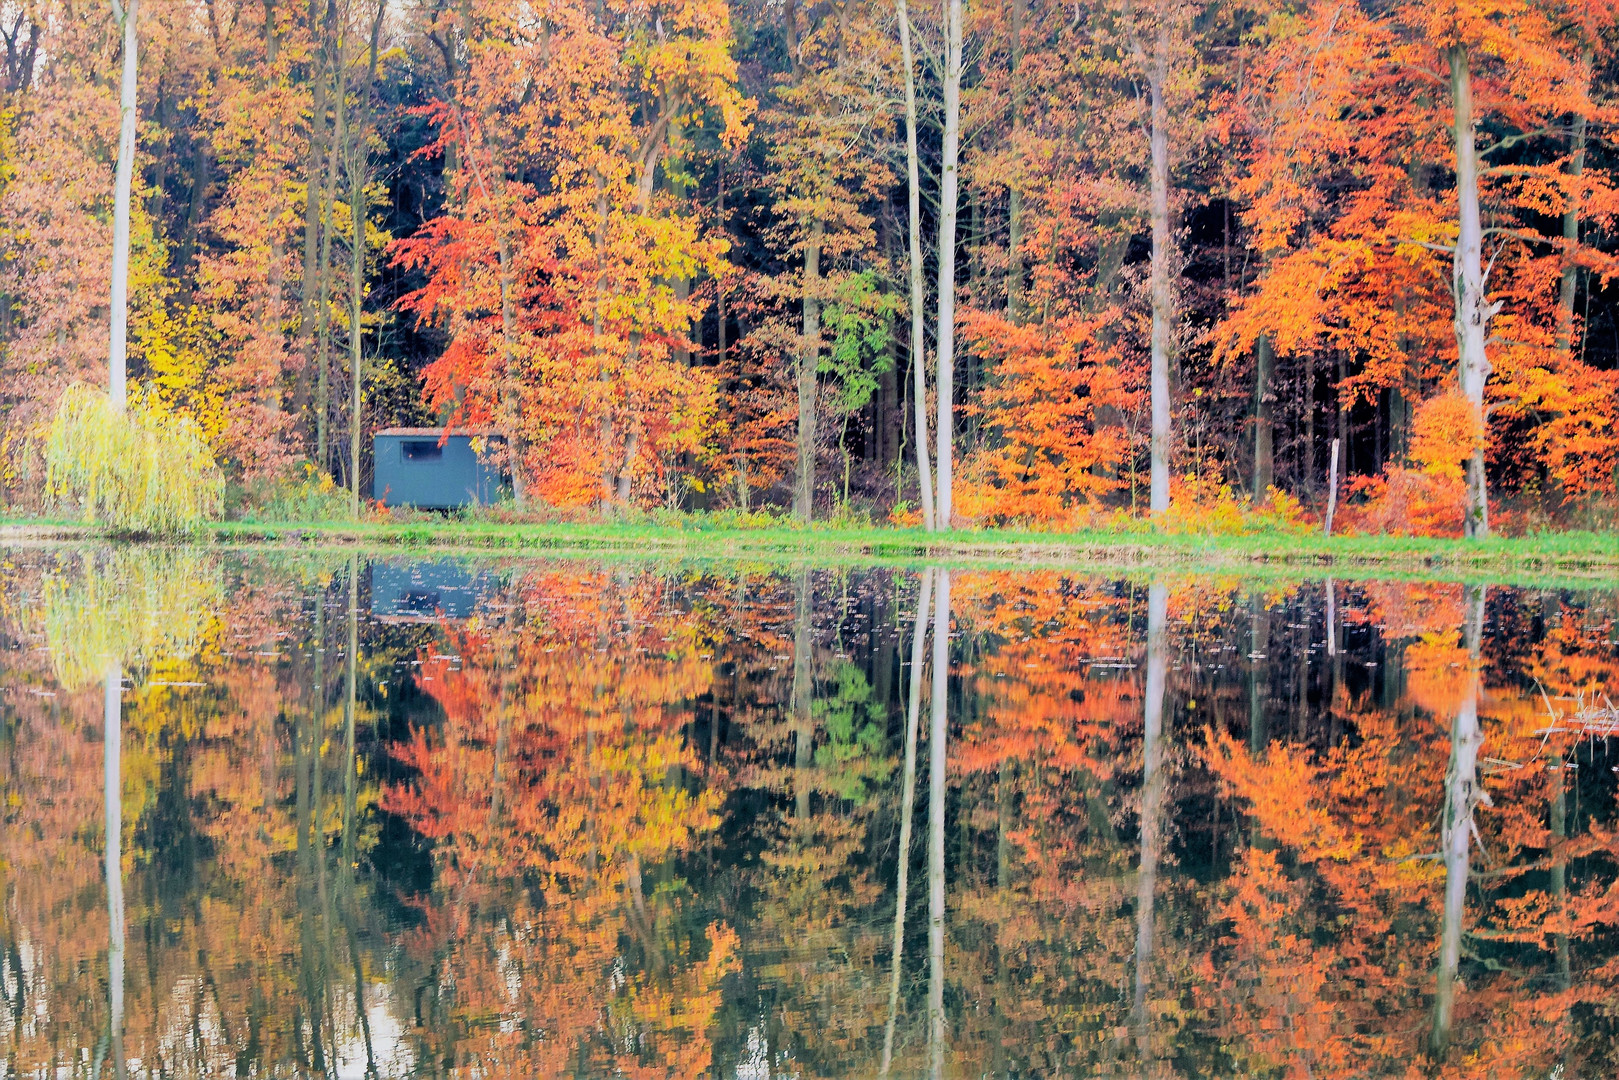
949,195
1153,789
913,183
907,806
1473,309
1462,794
808,359
196,205
1340,427
1306,482
1571,219
1264,427
1162,298
511,403
112,738
358,168
118,350
1014,193
323,287
938,755
314,186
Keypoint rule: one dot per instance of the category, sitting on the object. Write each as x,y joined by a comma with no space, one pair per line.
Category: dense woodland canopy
669,250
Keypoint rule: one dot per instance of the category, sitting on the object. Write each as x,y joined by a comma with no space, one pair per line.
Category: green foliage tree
858,320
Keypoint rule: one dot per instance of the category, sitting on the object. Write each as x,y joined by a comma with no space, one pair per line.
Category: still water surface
319,816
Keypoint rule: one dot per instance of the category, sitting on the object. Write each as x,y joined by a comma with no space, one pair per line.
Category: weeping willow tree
141,471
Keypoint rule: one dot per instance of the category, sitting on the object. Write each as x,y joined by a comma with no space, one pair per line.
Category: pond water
313,815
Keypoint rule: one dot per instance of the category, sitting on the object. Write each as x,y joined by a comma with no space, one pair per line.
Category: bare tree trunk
1153,785
907,807
112,738
1264,427
1473,309
357,175
938,755
512,405
808,359
1571,220
1462,794
117,357
323,319
924,471
314,184
949,187
1014,193
1162,298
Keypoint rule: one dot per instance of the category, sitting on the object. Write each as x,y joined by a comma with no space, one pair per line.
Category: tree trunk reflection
913,714
937,757
1462,794
112,749
1153,789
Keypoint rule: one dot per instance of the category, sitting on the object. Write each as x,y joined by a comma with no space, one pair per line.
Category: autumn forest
1009,262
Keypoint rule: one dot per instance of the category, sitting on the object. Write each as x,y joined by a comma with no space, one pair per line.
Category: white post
119,346
1332,488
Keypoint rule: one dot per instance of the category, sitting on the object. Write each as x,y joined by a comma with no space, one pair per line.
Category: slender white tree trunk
907,805
112,738
938,755
1162,298
1473,309
949,184
1462,794
1152,799
119,348
924,472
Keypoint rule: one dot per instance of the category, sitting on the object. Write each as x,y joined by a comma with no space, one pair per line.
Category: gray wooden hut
433,470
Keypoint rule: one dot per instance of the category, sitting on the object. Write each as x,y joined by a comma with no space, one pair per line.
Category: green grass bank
1588,558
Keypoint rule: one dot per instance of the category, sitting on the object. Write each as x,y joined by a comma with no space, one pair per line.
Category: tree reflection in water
658,821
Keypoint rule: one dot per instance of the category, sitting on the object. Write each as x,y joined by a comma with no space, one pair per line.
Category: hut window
423,451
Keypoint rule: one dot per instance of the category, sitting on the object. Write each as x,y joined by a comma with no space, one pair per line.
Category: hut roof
438,432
